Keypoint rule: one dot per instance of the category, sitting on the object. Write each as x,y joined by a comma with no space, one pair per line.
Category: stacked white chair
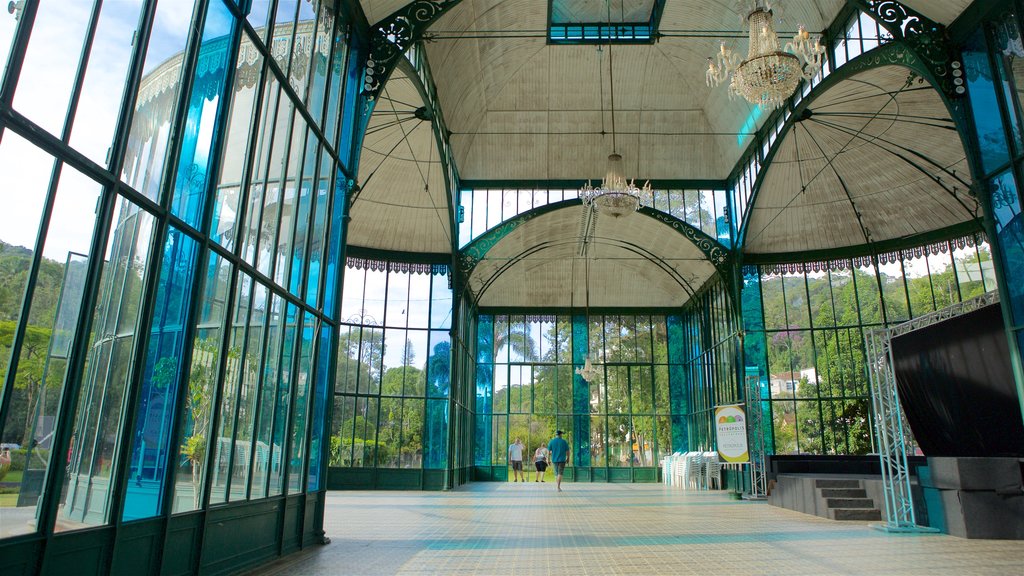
679,470
713,471
695,472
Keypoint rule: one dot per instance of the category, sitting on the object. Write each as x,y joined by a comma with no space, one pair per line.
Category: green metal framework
476,251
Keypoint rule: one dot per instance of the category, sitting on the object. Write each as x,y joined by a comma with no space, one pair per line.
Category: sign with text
731,433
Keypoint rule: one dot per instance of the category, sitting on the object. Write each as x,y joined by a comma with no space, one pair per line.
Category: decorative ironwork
717,254
478,249
928,39
396,34
389,266
892,257
890,421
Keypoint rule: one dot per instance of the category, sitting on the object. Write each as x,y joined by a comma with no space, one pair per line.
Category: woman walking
540,462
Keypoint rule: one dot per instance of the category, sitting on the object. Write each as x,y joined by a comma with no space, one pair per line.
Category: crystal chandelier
616,196
769,75
588,372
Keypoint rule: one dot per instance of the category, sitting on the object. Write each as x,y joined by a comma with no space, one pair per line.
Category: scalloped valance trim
933,249
388,266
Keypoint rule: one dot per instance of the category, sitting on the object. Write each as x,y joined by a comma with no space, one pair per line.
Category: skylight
595,22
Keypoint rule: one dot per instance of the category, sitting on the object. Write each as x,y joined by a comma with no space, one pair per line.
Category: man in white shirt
515,456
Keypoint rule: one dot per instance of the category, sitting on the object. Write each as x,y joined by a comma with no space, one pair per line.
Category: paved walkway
491,528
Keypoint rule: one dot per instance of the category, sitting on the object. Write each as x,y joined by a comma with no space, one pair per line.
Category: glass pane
197,418
267,455
204,106
284,21
398,299
249,396
51,63
154,418
439,364
283,400
98,105
418,311
320,400
27,169
55,306
301,407
95,439
157,98
343,424
227,462
411,454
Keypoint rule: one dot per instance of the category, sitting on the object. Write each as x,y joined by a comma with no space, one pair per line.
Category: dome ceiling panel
377,10
875,158
402,202
633,259
942,11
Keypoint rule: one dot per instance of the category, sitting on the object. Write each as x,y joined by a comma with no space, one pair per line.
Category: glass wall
704,344
170,257
994,66
805,325
526,388
394,367
484,208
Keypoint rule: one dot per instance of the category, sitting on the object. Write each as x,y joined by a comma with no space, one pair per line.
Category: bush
39,455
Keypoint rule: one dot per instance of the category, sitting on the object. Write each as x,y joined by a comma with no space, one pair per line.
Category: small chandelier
769,75
588,372
616,196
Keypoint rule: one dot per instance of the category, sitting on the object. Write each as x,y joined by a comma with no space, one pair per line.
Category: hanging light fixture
769,75
589,372
616,196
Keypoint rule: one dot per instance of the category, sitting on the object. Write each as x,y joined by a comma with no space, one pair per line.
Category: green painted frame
476,251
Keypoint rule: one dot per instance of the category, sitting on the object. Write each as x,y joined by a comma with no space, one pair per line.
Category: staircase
846,500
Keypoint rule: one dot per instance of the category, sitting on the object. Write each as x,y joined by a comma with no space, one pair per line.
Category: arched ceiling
520,108
942,11
633,260
875,158
402,204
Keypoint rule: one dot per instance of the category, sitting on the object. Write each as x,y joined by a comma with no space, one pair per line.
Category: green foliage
832,415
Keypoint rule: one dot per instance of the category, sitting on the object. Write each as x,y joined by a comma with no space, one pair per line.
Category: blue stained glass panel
205,105
156,411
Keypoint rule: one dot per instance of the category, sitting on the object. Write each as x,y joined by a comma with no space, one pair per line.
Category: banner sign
731,433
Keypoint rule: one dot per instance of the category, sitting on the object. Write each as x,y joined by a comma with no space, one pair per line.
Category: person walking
515,456
540,462
559,450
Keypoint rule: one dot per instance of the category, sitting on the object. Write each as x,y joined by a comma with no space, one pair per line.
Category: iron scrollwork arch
927,38
719,256
394,35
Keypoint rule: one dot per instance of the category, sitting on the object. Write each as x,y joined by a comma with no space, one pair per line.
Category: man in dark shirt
559,450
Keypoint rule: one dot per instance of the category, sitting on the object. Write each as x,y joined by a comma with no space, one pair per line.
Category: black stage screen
956,387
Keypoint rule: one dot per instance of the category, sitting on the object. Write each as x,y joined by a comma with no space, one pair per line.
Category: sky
43,94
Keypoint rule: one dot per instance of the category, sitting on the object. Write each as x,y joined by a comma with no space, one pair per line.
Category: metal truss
890,421
756,439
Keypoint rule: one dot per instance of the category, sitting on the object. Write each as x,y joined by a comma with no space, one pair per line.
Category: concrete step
844,492
854,514
836,483
860,503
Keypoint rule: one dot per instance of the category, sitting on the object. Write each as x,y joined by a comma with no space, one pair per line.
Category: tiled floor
487,528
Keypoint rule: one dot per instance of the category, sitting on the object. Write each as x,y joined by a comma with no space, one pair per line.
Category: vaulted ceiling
876,157
874,160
